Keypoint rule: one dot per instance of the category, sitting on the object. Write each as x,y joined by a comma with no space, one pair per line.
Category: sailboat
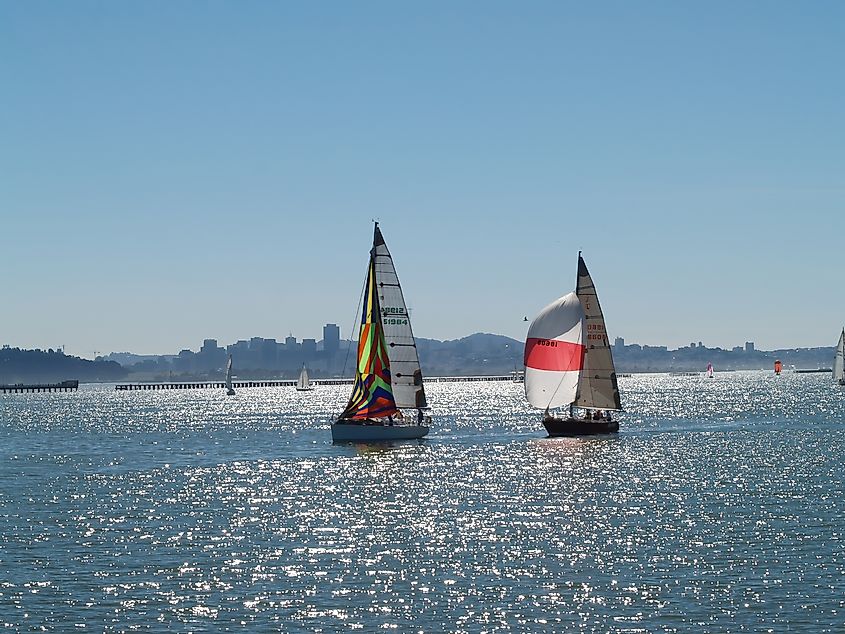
709,370
839,361
303,383
388,377
568,362
230,391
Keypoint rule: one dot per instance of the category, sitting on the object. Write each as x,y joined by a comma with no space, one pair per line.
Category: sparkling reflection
717,508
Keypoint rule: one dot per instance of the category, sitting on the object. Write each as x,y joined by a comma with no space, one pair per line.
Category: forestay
554,353
406,375
597,387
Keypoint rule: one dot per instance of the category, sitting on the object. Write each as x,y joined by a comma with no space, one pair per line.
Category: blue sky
174,171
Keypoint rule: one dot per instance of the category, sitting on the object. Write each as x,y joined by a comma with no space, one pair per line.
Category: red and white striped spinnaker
554,353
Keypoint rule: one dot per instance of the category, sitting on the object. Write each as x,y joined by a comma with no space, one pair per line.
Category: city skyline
171,169
336,341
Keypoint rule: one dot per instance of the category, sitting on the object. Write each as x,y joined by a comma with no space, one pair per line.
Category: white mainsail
597,387
554,353
229,387
405,373
303,383
839,361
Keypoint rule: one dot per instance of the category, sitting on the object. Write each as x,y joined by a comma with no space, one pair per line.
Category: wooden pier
201,385
20,388
206,385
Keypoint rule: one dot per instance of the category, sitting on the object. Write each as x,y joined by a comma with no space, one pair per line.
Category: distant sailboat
568,362
839,361
709,370
303,383
388,376
230,391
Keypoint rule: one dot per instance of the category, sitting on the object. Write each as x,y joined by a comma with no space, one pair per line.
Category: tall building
331,338
210,355
619,343
749,346
268,354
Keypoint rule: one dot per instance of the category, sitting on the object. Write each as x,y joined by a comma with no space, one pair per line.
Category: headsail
554,353
405,373
839,361
372,394
597,387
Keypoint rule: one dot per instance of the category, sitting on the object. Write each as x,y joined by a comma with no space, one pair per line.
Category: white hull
230,392
346,432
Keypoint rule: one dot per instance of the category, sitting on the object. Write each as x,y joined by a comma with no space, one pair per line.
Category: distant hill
480,353
48,366
127,359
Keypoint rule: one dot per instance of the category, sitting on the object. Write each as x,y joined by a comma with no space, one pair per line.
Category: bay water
719,507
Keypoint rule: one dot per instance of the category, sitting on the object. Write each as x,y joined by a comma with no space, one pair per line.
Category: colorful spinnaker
372,393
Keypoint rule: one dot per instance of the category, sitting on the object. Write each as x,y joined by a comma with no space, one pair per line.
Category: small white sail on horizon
839,360
303,383
230,391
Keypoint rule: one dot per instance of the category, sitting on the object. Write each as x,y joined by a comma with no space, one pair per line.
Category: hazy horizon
183,171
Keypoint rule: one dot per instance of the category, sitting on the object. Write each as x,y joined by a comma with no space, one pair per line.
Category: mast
597,387
405,372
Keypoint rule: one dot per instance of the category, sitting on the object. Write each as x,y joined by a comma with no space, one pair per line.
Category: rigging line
356,320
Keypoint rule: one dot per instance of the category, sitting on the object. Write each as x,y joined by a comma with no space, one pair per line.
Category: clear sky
171,171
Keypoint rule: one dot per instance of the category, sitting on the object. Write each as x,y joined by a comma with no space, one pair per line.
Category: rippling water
718,507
